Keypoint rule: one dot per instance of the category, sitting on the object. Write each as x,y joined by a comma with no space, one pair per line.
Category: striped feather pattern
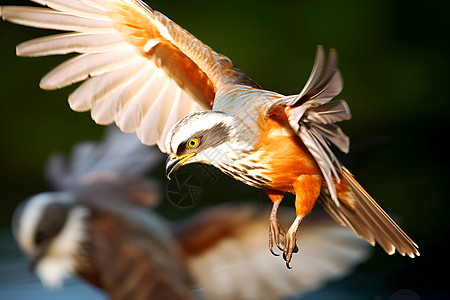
370,221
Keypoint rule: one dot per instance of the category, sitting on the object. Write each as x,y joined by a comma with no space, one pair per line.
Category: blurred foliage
394,61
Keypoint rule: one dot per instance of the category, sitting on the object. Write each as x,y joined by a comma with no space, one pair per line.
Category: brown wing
227,255
134,258
140,69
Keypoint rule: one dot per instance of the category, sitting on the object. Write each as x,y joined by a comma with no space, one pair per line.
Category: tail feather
368,220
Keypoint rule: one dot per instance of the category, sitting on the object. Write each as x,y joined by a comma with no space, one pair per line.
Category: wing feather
76,7
84,65
226,253
129,118
99,91
180,108
96,26
368,220
117,152
151,125
86,42
111,35
134,255
313,117
50,19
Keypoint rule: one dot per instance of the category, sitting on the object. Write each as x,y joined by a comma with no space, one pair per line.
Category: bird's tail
366,218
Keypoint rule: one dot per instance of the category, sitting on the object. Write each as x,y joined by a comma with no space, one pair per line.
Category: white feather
84,65
98,4
117,152
129,118
51,19
152,123
65,43
98,91
76,8
114,92
176,110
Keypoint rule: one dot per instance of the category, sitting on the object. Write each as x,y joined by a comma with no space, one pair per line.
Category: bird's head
208,137
49,229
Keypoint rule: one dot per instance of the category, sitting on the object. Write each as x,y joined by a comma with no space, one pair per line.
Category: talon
276,235
273,253
288,266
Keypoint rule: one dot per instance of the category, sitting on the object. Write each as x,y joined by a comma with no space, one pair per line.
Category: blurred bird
147,74
99,227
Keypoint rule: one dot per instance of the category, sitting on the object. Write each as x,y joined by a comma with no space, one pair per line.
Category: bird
101,225
147,74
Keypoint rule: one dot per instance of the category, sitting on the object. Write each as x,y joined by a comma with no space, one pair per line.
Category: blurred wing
117,152
227,253
132,260
139,68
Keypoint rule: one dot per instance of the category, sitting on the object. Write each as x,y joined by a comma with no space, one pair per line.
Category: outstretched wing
227,255
117,152
140,69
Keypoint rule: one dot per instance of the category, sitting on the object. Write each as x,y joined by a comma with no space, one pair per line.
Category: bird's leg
275,229
290,241
307,190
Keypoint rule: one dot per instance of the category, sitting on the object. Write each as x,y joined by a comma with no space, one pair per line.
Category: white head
49,229
208,137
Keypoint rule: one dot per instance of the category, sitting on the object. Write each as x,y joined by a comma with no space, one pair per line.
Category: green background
394,59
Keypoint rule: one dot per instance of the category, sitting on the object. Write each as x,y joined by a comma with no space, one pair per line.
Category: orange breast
284,152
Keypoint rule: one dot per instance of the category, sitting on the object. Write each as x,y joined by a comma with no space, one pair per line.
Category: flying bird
147,74
100,225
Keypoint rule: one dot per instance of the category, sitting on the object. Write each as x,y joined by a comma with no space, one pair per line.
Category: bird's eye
193,143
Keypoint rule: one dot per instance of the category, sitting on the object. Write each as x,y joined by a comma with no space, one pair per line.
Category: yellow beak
173,163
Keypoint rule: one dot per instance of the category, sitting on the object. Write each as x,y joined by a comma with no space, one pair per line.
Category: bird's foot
276,234
290,242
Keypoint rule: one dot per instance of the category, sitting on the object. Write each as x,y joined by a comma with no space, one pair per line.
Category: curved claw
273,253
288,266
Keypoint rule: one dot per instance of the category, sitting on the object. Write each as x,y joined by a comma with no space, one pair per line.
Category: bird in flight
147,74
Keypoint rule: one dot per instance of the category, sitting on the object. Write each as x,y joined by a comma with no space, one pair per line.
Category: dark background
394,60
